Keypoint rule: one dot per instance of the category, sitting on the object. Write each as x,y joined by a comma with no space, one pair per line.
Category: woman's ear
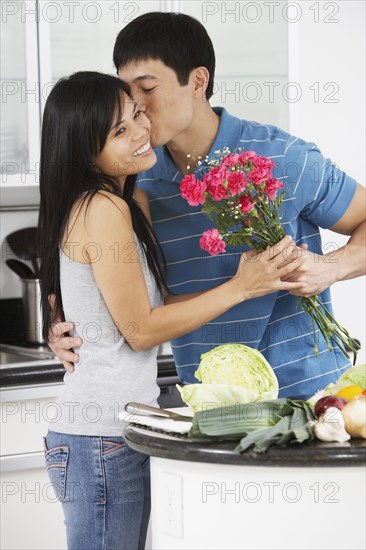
200,82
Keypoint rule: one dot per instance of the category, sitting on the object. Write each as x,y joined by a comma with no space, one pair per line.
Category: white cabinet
20,107
14,138
198,505
31,516
40,42
80,36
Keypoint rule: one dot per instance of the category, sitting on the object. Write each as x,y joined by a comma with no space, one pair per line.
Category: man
169,61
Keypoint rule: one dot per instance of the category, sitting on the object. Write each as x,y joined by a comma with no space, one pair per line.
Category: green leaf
263,439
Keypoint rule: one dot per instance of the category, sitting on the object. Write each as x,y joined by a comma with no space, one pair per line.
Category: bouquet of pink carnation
239,194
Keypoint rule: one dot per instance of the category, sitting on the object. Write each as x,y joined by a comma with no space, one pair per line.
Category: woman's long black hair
78,116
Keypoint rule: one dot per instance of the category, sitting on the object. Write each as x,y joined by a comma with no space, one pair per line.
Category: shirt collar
228,135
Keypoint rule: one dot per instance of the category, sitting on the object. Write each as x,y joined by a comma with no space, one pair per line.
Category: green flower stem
328,326
339,331
264,233
314,336
269,227
318,321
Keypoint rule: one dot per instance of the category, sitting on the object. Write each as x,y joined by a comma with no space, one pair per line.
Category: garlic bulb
331,426
354,415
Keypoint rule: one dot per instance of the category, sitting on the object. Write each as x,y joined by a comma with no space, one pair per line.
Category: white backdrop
327,60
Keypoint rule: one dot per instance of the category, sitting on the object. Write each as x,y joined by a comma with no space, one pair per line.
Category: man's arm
349,261
352,256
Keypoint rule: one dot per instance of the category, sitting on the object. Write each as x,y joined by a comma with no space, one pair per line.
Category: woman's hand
261,273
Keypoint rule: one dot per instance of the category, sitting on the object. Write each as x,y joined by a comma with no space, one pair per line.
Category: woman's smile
143,151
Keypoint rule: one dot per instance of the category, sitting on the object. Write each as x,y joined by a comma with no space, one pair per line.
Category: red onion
329,401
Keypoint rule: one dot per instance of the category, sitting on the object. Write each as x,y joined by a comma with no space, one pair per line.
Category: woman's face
127,149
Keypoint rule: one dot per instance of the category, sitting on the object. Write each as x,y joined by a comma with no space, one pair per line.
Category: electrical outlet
172,493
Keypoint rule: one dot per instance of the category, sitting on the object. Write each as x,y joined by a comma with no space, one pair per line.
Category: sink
7,357
21,356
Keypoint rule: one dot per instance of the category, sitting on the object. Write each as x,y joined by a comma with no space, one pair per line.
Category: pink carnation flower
231,160
212,242
262,169
214,182
236,182
272,186
245,156
217,191
193,190
246,205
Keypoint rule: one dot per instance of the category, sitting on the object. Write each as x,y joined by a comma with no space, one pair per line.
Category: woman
100,258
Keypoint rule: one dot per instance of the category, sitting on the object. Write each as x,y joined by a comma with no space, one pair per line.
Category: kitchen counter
206,496
313,454
45,371
28,365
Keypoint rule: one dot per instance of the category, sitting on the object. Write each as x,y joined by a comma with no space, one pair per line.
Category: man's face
169,106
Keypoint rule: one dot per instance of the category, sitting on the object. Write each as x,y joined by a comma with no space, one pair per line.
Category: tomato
364,393
349,392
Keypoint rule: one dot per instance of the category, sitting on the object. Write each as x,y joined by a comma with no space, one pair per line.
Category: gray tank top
109,373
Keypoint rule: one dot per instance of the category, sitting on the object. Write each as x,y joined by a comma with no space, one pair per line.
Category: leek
262,424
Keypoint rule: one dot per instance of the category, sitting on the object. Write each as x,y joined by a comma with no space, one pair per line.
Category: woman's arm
143,200
121,281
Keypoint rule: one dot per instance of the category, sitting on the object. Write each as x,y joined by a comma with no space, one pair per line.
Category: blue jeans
104,487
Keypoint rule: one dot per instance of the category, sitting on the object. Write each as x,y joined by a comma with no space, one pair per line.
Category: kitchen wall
251,50
327,60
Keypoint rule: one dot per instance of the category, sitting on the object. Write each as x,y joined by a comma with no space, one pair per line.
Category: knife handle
140,408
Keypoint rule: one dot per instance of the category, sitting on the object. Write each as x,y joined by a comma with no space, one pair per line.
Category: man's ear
201,77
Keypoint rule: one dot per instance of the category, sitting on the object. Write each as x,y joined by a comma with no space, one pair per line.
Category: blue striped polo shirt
317,195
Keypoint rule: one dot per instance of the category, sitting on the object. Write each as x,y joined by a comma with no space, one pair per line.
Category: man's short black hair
178,40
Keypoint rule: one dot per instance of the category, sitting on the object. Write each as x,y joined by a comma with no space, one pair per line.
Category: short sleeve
322,191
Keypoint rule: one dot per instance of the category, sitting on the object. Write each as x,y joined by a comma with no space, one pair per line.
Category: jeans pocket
110,446
56,463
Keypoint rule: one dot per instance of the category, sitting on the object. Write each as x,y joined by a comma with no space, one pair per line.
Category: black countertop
313,454
54,372
29,375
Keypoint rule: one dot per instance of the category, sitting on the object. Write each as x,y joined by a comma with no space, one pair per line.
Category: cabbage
208,396
238,365
355,375
231,373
